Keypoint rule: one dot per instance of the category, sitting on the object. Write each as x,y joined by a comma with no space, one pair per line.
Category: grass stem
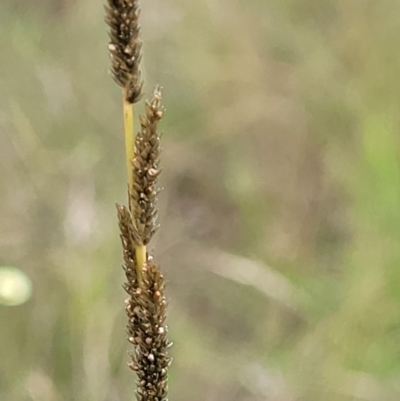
129,138
141,259
129,133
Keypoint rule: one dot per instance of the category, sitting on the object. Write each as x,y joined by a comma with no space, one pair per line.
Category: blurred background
280,218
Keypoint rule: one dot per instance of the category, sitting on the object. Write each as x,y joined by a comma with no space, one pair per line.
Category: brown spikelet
147,331
146,310
145,164
122,16
126,235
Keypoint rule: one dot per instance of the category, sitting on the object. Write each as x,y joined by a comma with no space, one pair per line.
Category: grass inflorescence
146,303
125,46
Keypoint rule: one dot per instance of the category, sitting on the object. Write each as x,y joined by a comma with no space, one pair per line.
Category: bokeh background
280,218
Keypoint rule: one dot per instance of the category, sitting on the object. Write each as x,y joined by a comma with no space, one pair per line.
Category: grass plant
146,302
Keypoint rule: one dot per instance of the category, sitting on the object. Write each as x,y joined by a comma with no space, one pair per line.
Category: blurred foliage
280,216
